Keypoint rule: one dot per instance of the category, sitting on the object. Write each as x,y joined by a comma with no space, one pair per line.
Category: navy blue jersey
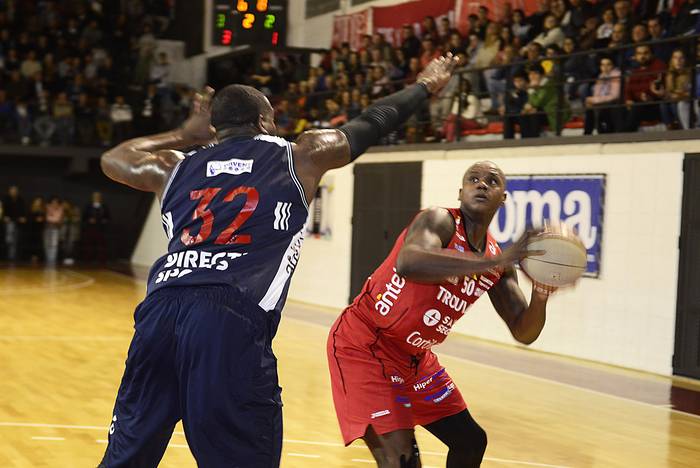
234,213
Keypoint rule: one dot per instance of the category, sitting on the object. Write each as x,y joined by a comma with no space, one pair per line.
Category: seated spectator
267,79
7,116
576,69
606,92
380,83
482,22
410,44
44,123
587,38
605,30
103,122
148,113
429,52
676,88
551,34
30,66
639,35
579,12
639,96
618,38
489,47
283,119
559,9
23,121
471,116
354,108
542,105
624,13
334,113
64,119
455,43
122,117
533,54
514,101
379,43
160,72
656,33
497,78
519,26
399,67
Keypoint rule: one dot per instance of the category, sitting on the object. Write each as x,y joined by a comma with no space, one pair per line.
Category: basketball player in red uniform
385,378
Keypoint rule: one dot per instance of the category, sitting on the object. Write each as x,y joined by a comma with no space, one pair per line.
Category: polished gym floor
64,336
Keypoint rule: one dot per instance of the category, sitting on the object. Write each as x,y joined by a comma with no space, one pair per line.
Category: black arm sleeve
382,118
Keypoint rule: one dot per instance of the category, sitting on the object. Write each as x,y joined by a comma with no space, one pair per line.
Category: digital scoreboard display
250,22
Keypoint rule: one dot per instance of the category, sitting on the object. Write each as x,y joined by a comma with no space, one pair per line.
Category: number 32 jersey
234,214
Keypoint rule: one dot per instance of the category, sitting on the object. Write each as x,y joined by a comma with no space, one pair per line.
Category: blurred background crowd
52,229
89,73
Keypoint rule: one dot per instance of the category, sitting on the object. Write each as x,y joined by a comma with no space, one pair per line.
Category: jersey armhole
169,183
293,174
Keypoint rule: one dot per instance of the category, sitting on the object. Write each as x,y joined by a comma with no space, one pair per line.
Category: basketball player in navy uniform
234,211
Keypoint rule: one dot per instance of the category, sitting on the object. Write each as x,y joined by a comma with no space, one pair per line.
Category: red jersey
412,317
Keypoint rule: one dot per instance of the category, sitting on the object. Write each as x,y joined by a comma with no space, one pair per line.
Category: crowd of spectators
52,229
534,86
85,72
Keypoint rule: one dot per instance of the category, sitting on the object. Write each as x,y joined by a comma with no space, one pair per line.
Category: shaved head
487,165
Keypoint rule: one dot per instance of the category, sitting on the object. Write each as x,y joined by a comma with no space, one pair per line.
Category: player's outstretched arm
146,163
424,258
317,151
525,321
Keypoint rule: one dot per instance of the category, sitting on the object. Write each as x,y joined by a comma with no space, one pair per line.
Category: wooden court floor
63,341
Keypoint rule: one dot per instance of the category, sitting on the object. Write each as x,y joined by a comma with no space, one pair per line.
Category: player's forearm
172,140
434,265
383,117
531,321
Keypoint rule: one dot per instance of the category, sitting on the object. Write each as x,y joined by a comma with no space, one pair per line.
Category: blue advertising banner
575,200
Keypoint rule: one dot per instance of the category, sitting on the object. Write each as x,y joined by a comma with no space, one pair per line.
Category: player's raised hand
438,72
197,127
519,249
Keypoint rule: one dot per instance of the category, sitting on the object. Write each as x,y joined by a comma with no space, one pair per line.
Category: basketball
564,259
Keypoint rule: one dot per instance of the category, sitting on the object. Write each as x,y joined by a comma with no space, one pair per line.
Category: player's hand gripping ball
562,257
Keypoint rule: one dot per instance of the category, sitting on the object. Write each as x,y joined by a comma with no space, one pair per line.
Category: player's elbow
404,265
527,337
524,340
107,161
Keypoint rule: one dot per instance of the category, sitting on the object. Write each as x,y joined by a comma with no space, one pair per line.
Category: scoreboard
250,22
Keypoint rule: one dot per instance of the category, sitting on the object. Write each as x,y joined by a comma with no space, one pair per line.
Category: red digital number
205,196
228,235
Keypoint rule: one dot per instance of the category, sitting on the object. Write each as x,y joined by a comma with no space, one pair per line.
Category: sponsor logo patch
232,166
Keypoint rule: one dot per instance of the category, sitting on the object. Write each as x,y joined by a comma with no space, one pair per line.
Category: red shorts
373,385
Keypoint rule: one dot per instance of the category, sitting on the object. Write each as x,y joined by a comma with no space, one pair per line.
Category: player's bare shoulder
434,220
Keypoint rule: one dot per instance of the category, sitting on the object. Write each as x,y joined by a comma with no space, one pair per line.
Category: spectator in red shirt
429,53
639,97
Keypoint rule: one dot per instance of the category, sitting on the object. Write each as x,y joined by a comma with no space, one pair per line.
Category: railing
688,44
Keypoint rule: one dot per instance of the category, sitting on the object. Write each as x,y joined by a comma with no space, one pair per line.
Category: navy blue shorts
203,356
